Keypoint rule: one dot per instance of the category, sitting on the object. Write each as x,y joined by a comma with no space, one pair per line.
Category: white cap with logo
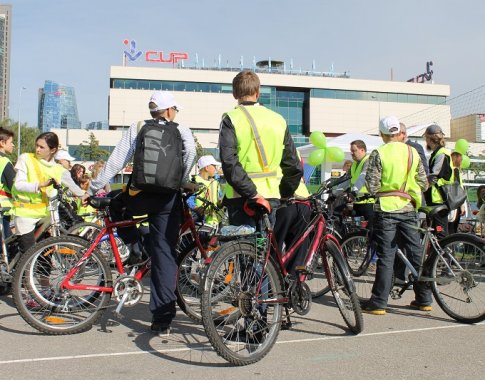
206,161
163,101
63,155
389,125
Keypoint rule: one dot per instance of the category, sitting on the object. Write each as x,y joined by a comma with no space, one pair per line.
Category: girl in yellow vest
7,175
32,184
207,171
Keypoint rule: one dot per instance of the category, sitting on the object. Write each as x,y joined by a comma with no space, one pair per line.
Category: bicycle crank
128,291
300,297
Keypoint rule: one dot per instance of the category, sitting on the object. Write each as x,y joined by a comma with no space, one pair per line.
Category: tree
90,150
27,137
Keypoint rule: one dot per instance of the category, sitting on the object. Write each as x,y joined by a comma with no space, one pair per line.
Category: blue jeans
386,228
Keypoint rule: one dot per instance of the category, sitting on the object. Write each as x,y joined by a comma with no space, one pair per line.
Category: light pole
18,129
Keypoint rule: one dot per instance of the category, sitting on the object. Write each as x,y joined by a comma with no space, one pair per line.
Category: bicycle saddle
433,210
99,202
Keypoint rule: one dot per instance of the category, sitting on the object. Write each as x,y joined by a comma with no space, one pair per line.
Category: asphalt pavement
403,344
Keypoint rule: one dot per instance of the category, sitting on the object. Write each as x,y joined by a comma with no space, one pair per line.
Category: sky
76,42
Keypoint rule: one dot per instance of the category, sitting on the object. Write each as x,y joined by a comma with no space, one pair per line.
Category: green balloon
461,146
335,154
316,157
465,161
318,139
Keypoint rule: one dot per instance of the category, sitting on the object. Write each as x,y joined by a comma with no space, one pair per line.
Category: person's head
434,137
84,181
347,165
97,167
6,141
162,105
245,86
358,150
207,166
46,146
64,158
404,133
390,129
457,159
77,171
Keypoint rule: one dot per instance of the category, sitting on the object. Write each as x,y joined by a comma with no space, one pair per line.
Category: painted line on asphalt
114,354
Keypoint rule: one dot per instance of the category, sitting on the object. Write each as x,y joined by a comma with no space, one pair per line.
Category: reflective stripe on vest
436,197
398,183
34,205
355,171
263,169
5,195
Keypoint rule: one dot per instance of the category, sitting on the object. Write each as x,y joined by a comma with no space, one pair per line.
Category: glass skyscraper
5,17
57,107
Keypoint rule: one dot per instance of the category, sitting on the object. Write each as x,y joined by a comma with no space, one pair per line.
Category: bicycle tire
342,288
240,331
461,296
317,282
56,311
357,254
88,231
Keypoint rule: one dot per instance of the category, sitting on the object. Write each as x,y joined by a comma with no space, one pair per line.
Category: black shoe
160,328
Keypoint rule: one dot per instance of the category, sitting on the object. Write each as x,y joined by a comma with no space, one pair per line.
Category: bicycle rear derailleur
300,297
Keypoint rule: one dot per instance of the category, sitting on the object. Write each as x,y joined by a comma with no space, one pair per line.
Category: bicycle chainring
300,297
128,285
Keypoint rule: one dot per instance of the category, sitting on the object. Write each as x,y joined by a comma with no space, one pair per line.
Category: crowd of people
259,162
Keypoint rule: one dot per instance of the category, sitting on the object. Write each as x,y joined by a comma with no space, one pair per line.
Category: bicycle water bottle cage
258,206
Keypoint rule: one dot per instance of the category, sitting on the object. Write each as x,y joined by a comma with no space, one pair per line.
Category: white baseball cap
389,125
206,161
63,155
163,100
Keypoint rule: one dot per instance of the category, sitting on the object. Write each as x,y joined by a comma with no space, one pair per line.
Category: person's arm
118,159
8,176
234,173
189,151
290,166
21,182
421,177
374,173
441,168
360,182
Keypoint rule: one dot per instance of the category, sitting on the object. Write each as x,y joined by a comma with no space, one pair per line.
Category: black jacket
237,177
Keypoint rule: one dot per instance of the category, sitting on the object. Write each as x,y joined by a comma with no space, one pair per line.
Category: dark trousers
164,216
291,221
440,220
386,228
366,210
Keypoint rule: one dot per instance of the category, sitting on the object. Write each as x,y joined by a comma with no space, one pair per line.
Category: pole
18,127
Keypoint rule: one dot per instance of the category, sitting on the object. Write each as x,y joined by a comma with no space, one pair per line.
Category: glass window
412,98
423,99
226,88
203,87
341,94
392,97
215,88
382,96
402,98
130,84
167,86
143,85
155,85
179,86
118,83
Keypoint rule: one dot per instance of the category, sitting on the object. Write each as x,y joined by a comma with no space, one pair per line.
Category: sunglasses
175,109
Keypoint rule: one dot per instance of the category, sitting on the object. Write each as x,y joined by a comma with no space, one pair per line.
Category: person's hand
47,183
258,196
84,199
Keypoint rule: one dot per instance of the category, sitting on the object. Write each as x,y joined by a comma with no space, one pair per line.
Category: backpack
158,164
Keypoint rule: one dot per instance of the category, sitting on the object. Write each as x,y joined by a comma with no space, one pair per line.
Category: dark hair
50,138
75,168
359,144
5,134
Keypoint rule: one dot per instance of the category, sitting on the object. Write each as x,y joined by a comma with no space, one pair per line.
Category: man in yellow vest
256,151
440,173
364,208
396,176
7,176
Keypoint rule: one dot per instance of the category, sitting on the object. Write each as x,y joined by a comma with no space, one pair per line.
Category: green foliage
27,137
199,150
90,150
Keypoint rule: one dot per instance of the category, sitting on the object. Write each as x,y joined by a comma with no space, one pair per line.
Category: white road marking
105,355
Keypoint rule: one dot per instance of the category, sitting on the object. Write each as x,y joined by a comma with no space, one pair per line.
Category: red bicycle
63,284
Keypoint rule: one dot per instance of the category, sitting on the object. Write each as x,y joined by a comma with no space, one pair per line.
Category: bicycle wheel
317,281
358,255
241,327
89,231
342,288
37,293
460,292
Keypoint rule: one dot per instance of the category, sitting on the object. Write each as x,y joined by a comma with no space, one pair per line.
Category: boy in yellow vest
7,175
396,176
207,171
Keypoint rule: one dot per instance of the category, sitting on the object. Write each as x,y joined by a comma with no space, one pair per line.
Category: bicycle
454,268
247,286
64,284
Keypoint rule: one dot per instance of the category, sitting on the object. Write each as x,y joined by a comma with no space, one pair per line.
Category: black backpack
158,164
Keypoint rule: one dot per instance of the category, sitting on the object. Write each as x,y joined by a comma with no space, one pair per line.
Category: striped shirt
124,151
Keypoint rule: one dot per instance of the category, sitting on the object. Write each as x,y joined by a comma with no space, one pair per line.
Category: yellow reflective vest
397,177
436,197
5,194
210,194
271,127
34,205
355,171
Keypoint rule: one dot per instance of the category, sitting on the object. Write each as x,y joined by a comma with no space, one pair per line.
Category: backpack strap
259,147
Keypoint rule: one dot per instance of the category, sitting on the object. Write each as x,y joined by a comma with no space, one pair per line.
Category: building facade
308,102
98,125
5,28
57,107
470,127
